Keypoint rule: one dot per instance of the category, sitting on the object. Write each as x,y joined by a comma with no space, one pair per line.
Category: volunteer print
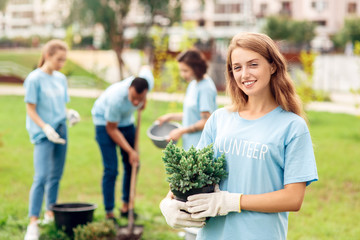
241,147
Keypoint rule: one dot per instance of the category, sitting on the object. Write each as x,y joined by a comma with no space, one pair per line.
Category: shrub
95,231
193,168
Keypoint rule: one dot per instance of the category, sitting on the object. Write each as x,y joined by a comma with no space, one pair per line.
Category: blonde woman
46,97
268,149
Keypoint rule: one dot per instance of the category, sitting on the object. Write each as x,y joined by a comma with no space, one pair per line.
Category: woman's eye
236,68
254,65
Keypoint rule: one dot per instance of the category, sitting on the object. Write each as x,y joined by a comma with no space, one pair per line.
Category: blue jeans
49,160
110,162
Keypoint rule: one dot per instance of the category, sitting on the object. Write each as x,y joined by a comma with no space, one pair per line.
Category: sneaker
47,219
32,232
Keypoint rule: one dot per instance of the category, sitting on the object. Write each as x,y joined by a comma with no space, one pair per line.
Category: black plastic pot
70,215
183,196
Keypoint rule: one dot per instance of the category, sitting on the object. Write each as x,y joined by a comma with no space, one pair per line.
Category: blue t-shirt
49,93
114,105
262,156
200,97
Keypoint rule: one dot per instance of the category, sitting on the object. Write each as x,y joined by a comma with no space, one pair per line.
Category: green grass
330,209
77,76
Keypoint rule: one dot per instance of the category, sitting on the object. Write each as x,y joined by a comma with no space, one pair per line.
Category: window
320,22
221,23
319,5
352,8
22,14
228,8
286,8
19,2
263,10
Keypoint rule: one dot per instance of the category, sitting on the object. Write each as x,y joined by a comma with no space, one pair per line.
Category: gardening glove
213,204
52,135
73,117
176,217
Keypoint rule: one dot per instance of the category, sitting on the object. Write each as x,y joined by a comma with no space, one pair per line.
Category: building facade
220,18
25,18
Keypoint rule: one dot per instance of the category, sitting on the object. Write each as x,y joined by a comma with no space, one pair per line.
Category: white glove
52,135
73,117
213,204
171,209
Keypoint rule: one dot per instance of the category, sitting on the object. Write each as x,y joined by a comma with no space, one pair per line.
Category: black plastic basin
70,215
183,196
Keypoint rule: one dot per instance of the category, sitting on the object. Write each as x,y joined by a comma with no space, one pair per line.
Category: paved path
341,102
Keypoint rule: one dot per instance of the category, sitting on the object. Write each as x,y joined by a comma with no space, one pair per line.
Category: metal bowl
158,133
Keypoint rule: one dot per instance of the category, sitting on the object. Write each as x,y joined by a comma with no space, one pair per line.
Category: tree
3,4
302,32
111,14
350,32
283,28
277,27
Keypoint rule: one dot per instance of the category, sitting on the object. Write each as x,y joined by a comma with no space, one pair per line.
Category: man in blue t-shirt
114,125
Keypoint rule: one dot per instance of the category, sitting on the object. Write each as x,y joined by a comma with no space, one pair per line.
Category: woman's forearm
199,125
31,111
288,199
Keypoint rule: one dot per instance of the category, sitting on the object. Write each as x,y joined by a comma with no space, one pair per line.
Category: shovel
132,231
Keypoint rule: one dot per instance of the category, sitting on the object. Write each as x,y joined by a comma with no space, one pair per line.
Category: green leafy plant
194,168
51,232
95,231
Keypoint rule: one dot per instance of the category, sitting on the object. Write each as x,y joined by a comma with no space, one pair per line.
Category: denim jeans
49,160
110,162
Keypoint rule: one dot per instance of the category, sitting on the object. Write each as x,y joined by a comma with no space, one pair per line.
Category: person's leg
110,163
56,169
129,134
42,158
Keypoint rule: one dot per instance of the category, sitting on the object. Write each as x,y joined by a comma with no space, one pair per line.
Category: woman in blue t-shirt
267,145
46,97
199,102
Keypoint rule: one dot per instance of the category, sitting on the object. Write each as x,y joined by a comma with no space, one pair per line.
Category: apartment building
328,14
220,18
25,18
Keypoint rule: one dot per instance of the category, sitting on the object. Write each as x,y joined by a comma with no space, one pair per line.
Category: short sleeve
112,112
300,165
31,90
208,133
206,101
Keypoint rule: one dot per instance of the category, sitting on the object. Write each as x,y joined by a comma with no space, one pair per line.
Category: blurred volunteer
267,144
199,102
46,97
113,117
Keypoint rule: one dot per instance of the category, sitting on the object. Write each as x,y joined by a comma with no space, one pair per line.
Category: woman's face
56,61
251,71
186,72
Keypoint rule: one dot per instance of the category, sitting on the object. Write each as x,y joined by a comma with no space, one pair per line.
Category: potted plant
193,171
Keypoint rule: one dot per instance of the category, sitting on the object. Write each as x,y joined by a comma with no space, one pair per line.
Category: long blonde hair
281,85
50,48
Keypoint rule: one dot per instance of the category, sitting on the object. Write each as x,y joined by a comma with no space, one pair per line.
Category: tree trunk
118,52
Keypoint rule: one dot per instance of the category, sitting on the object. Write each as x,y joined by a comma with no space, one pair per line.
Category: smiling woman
267,145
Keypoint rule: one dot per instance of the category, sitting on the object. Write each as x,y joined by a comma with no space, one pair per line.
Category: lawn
330,209
77,76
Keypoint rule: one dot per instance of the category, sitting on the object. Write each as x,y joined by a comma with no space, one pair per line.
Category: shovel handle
137,131
133,176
